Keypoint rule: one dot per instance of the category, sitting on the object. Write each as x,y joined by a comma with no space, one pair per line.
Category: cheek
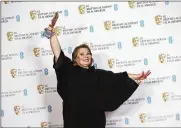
89,56
78,59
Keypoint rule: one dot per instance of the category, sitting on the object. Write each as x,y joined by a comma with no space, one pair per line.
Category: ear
92,60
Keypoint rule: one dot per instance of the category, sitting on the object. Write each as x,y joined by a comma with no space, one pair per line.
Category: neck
84,66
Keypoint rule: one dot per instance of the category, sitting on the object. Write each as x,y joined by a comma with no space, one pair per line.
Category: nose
85,56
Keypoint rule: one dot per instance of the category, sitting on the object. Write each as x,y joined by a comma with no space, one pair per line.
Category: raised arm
50,34
55,45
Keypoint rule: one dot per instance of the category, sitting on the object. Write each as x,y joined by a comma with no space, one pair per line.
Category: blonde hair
75,53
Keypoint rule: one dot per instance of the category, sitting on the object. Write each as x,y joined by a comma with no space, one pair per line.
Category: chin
86,65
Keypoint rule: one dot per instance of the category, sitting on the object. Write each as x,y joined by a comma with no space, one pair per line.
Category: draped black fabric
115,89
88,93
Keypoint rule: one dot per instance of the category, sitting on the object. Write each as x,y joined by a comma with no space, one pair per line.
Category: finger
140,76
53,30
145,76
49,28
148,73
142,73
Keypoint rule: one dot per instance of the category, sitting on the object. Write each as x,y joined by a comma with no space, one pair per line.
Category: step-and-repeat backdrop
126,36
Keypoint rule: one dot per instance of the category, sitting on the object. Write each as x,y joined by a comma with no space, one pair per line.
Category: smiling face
82,56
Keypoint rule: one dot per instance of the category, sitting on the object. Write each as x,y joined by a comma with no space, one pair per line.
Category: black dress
88,93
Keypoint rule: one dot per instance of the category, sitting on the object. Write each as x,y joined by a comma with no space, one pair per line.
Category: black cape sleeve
62,68
114,89
62,64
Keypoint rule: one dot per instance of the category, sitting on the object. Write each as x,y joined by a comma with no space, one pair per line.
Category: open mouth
86,60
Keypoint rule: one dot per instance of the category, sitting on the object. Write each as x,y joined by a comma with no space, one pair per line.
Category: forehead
82,50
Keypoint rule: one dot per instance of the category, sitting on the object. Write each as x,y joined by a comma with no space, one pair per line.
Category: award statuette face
48,33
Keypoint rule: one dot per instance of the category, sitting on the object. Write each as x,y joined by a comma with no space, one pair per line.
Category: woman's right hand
50,28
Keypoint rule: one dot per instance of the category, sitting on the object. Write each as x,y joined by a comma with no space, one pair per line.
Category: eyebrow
83,52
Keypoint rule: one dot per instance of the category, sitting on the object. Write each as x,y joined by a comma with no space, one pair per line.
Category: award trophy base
47,33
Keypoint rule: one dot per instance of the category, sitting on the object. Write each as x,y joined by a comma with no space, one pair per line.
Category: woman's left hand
142,75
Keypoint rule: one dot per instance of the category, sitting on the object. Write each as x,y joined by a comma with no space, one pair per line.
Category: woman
88,92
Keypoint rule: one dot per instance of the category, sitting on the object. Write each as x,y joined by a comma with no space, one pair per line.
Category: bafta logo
36,52
165,96
13,73
107,25
135,41
111,63
44,124
33,14
10,36
131,4
158,19
17,110
142,117
81,9
40,89
161,58
6,1
58,30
